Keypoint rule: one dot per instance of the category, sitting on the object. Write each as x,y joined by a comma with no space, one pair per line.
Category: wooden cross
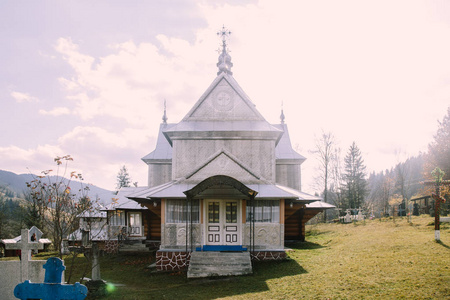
437,183
52,288
25,245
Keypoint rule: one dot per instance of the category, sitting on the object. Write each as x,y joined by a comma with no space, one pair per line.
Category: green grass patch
372,260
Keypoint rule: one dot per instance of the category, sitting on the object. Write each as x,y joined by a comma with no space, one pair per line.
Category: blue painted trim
221,248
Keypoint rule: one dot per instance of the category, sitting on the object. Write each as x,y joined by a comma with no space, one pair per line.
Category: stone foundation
172,260
178,260
111,246
267,255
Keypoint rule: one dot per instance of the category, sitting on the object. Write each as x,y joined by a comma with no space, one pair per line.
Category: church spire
224,63
164,118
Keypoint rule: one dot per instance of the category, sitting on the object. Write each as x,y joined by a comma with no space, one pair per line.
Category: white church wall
258,155
159,173
289,175
268,236
173,236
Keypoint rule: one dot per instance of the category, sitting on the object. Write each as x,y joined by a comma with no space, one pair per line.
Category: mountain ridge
16,183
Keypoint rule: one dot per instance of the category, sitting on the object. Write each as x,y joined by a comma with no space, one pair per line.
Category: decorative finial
164,118
224,63
282,113
224,33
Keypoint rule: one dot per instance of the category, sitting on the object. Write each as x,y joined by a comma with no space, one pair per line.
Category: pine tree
123,178
355,184
439,149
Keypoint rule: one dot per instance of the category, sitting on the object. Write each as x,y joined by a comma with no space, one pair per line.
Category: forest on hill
16,201
346,184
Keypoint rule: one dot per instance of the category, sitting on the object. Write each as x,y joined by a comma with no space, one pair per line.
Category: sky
89,78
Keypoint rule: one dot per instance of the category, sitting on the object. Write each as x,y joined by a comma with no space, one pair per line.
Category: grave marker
347,217
25,246
438,174
52,288
360,215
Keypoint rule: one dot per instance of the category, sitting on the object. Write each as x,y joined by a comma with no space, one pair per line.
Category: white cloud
132,82
372,72
57,111
23,97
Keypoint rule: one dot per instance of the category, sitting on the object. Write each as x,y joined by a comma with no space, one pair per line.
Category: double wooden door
223,226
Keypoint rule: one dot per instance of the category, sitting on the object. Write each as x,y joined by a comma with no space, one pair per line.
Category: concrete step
214,264
134,246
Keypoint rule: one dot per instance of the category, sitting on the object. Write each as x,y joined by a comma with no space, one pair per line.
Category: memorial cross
52,288
438,174
25,246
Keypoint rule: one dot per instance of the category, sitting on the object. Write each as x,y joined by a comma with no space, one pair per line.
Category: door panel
222,227
213,229
135,224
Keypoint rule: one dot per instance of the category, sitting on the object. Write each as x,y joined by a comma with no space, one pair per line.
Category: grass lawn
367,260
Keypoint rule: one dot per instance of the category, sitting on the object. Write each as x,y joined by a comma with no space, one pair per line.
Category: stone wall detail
172,260
111,246
179,260
268,255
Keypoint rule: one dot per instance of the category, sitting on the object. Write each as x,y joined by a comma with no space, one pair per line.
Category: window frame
181,215
270,208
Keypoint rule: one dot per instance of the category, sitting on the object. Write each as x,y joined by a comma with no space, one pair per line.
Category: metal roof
175,190
163,149
120,200
223,126
17,239
284,148
319,205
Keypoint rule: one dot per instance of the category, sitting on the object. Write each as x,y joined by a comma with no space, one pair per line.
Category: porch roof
120,200
175,190
319,205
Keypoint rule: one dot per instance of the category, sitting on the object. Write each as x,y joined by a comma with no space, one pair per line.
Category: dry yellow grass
368,260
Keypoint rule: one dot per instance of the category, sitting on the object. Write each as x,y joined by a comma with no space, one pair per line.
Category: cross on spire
224,63
224,34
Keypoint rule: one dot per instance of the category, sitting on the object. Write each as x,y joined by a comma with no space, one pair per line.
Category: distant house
122,220
93,227
35,235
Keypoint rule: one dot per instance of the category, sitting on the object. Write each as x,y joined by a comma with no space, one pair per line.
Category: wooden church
223,180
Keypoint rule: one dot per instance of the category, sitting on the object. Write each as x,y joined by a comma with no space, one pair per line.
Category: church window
213,212
266,211
178,211
231,212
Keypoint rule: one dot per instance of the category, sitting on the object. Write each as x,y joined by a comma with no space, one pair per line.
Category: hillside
15,185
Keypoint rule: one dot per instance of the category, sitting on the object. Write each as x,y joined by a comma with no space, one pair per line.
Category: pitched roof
284,148
223,83
221,111
120,200
319,205
163,150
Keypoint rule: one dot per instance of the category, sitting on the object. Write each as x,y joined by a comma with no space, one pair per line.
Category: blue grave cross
52,288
